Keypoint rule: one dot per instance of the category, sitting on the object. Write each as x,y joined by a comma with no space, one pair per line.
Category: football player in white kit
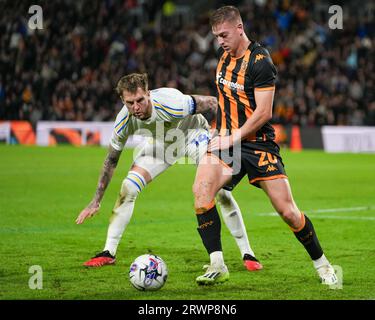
161,115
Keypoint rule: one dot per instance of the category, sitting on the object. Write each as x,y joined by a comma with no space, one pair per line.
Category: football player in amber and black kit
244,145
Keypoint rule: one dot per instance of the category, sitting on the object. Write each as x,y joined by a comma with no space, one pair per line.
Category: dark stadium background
68,70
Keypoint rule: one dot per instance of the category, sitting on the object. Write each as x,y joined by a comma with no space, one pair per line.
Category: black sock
209,228
308,238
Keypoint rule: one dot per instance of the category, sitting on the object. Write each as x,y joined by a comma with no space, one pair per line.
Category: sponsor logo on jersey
259,57
232,85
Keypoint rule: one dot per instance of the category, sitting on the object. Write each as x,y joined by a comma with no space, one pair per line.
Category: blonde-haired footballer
245,82
160,114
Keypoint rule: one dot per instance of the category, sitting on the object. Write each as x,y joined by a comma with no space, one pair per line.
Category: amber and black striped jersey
236,80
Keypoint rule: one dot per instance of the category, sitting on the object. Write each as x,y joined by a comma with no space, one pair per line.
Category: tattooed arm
109,166
207,105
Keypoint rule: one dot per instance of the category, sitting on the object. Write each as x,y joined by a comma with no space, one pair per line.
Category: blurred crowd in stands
68,70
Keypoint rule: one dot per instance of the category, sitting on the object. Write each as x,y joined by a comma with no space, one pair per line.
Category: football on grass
148,272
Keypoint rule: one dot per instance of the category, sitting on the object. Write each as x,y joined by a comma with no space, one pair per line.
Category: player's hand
220,143
88,212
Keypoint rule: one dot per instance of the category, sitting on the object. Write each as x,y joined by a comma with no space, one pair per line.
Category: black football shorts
259,160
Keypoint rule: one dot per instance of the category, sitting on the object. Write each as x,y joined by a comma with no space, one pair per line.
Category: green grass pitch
42,190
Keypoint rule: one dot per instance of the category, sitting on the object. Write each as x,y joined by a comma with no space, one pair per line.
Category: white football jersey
172,115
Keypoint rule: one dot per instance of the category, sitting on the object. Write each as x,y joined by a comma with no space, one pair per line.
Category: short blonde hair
132,82
226,13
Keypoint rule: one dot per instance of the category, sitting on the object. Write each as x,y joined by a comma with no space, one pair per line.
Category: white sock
322,261
123,211
231,213
216,258
118,223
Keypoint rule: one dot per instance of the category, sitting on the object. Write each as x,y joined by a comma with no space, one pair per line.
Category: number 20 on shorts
266,158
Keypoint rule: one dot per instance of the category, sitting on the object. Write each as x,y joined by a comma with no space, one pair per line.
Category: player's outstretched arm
109,166
206,104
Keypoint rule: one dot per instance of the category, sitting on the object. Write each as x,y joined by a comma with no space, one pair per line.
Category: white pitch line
352,209
343,209
345,217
